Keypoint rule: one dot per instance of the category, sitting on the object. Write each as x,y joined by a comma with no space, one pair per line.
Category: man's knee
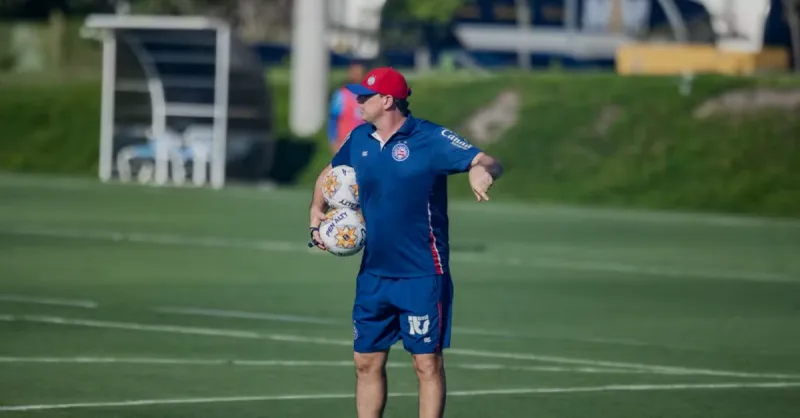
369,364
429,366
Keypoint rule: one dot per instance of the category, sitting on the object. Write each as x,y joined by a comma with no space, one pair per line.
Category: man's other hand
316,218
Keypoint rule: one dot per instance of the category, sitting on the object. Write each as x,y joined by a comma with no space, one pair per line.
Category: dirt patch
608,116
488,124
743,102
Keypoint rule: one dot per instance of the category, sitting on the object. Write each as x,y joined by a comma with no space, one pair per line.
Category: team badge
346,237
371,80
400,152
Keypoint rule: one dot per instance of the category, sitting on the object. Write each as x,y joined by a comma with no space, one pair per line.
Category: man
404,290
344,114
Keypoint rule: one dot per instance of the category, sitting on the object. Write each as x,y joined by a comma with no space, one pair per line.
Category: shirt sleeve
342,156
454,154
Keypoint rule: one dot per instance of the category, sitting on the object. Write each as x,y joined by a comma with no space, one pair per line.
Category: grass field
133,301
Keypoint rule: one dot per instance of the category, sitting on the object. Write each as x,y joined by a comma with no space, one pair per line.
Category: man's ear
391,103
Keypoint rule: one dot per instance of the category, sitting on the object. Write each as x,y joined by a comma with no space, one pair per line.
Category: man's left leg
425,304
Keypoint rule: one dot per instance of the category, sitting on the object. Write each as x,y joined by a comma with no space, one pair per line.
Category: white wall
739,24
362,15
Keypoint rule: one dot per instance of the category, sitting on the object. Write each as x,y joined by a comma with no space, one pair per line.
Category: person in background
344,113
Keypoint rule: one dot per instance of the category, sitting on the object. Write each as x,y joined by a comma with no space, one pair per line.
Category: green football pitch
152,302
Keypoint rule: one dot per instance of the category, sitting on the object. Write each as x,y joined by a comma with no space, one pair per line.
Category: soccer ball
343,232
340,189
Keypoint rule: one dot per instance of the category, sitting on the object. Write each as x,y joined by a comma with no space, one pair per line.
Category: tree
426,10
40,9
791,9
259,19
440,10
178,7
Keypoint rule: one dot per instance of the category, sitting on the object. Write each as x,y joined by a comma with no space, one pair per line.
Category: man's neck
390,125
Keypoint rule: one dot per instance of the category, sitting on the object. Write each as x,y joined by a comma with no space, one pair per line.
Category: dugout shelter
182,98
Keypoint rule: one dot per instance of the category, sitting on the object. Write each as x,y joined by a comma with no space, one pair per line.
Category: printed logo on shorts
418,325
355,331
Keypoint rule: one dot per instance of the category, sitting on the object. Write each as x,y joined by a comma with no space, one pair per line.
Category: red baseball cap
384,80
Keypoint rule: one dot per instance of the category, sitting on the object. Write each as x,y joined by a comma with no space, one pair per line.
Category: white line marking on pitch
298,363
457,393
515,335
284,246
656,369
164,239
219,313
222,313
75,303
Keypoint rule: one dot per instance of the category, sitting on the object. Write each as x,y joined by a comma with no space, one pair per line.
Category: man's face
373,106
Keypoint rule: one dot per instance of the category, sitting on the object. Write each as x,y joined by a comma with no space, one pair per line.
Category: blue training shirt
402,188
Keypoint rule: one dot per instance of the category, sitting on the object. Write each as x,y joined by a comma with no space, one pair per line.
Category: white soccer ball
340,189
344,232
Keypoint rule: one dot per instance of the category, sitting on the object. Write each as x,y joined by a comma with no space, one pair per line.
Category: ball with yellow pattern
343,232
340,189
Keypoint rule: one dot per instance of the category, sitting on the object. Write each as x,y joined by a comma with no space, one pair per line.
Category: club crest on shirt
400,152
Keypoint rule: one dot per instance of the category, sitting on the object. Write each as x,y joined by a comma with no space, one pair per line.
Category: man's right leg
375,330
371,387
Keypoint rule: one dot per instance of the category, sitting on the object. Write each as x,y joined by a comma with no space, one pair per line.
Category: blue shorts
418,310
